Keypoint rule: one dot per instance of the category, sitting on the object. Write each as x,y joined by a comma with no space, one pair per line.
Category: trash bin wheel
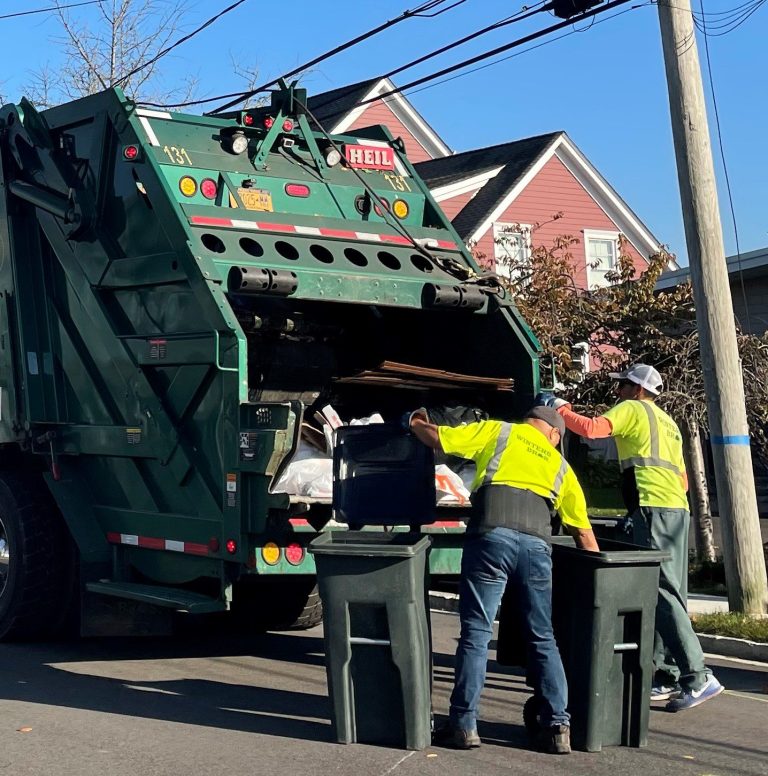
531,717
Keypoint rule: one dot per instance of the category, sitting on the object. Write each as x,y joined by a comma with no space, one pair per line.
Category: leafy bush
734,624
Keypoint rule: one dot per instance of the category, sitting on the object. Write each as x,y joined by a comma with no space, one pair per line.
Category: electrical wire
748,326
420,10
527,12
525,51
184,39
50,9
480,57
729,20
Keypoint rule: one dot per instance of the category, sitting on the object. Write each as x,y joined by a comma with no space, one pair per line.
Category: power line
526,13
731,19
500,49
530,48
420,10
178,42
725,172
49,9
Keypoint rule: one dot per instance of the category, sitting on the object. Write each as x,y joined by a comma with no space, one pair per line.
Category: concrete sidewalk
713,646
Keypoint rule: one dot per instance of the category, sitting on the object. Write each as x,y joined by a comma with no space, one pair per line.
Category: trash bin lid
369,543
612,553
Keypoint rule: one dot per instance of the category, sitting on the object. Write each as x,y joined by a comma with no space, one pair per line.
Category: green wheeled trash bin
377,635
603,615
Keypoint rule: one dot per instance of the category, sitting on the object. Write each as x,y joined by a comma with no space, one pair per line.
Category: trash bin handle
627,646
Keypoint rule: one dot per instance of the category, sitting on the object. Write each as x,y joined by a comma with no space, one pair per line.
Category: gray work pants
667,530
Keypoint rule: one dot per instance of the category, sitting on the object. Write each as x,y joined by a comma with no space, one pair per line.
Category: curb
726,646
716,646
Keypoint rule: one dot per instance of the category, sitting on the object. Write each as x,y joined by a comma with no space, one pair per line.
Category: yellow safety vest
650,441
518,455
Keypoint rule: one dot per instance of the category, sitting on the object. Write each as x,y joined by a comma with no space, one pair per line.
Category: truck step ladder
170,597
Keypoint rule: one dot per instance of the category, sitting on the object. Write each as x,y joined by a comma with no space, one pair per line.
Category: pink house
486,192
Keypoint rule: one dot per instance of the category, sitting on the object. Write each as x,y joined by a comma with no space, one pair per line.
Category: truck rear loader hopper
177,293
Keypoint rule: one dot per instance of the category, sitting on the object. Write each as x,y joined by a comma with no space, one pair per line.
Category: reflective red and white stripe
313,231
154,543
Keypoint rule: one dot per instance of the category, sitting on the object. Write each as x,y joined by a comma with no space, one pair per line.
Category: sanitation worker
519,473
654,485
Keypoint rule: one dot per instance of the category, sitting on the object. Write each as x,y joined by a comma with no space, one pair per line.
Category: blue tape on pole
730,440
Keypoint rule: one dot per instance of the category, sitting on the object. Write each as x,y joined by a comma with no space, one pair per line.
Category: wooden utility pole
743,554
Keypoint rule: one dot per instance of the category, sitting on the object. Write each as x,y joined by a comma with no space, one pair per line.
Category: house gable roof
513,160
330,107
339,108
503,171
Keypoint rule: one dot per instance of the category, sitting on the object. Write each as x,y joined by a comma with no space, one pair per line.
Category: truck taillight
231,546
296,190
287,125
208,188
131,153
294,554
268,122
248,120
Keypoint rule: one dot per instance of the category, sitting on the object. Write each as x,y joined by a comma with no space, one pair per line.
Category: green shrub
740,626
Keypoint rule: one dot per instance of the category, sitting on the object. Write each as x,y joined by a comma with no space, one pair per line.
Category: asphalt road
211,705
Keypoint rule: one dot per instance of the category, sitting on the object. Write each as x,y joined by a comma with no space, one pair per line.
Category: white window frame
581,356
505,228
596,277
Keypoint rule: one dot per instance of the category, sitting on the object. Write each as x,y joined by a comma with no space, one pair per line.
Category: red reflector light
231,546
287,125
208,188
268,122
294,554
131,153
248,120
296,190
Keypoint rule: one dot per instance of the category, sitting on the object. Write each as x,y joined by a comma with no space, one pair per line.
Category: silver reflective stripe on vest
655,458
559,477
501,446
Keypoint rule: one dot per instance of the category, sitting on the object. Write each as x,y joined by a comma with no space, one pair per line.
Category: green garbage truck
179,296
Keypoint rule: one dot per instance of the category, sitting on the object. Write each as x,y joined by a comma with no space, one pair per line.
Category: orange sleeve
684,477
591,428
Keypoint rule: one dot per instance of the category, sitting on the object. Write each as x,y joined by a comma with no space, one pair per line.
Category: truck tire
277,603
37,560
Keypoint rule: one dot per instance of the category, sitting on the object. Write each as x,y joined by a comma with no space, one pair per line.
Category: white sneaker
691,698
664,692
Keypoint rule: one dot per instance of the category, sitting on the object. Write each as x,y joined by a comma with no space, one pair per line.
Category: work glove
405,421
547,399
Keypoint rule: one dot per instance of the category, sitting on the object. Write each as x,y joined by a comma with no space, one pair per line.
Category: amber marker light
270,553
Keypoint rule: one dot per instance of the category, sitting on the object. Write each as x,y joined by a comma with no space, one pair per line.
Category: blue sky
604,85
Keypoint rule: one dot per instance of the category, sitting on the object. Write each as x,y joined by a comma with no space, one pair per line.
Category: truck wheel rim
5,558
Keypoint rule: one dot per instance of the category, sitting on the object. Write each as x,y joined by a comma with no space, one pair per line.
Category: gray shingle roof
330,107
516,158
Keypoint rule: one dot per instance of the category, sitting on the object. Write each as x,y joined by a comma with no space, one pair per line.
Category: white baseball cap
645,376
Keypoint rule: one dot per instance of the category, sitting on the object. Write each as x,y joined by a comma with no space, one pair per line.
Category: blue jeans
490,561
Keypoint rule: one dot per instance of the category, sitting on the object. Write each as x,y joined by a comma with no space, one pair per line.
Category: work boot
555,740
455,738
